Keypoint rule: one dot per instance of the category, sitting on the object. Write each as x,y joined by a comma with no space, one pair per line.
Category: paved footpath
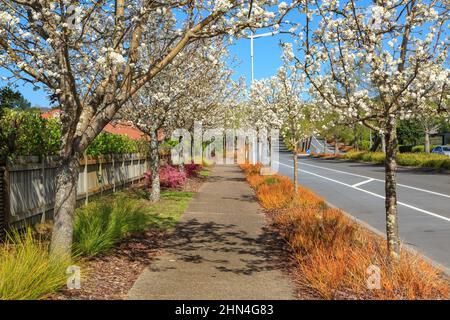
220,249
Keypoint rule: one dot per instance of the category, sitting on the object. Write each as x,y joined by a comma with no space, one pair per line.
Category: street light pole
251,55
251,37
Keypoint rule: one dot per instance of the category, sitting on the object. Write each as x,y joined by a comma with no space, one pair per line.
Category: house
114,127
440,138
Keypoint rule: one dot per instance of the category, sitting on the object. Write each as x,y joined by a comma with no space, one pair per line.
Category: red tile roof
50,114
125,129
118,127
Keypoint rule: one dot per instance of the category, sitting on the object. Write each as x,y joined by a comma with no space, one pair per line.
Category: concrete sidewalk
220,249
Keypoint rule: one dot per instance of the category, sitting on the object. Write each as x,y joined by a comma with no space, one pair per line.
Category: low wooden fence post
86,182
4,195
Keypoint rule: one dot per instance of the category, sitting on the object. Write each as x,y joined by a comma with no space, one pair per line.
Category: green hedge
26,133
106,143
421,148
432,160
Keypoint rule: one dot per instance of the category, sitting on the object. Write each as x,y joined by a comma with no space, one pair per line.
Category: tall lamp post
255,36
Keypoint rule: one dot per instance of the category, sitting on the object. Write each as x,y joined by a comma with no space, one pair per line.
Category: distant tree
409,132
10,99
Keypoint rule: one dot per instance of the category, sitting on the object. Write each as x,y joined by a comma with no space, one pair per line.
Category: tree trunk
154,166
383,142
65,203
376,143
336,147
427,142
295,170
355,144
393,240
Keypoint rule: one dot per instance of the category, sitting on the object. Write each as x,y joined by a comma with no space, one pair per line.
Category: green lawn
204,173
166,213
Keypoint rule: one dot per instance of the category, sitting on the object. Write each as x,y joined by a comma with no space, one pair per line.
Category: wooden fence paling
3,208
85,177
31,191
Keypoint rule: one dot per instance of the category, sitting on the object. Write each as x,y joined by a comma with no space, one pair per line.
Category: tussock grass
275,192
27,272
100,225
333,253
103,223
250,168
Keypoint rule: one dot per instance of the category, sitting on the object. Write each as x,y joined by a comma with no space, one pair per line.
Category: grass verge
334,255
425,160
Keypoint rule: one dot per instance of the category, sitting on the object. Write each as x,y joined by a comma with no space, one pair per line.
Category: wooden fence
2,202
29,183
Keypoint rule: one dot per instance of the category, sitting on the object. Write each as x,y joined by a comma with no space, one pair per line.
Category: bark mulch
111,275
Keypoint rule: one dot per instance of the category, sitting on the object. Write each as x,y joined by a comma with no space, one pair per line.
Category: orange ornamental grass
335,254
250,168
254,180
275,192
306,197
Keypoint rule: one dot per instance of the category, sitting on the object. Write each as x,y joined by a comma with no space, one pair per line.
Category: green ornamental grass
27,272
100,225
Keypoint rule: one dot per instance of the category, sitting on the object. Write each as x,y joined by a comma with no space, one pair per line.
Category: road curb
419,169
410,249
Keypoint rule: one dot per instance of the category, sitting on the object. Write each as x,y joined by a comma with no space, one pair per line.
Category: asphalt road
358,189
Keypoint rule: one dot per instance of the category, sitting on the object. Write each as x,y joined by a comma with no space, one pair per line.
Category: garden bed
334,254
115,237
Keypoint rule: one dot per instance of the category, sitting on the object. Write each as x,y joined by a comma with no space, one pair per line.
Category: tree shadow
226,246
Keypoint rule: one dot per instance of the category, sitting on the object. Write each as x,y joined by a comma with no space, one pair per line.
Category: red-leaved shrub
192,169
169,177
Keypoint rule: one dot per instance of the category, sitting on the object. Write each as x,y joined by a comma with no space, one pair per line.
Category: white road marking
375,179
371,193
362,182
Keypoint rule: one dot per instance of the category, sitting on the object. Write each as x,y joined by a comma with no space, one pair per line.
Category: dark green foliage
106,143
25,133
409,133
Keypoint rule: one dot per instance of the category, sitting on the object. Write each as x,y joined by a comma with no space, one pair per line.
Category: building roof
54,113
115,127
126,129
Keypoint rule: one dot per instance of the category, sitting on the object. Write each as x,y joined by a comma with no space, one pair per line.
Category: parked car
441,150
